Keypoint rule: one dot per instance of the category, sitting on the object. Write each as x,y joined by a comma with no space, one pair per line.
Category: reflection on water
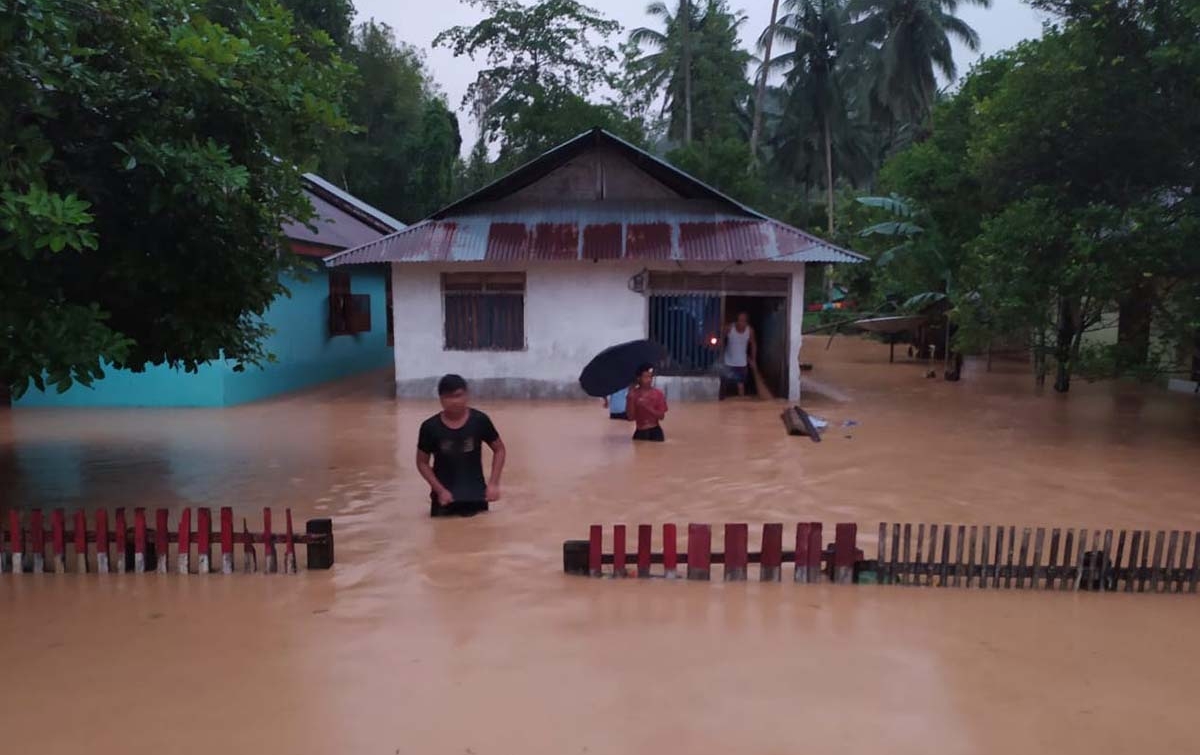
462,636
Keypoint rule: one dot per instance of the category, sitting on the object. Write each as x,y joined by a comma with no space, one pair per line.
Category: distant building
335,323
596,242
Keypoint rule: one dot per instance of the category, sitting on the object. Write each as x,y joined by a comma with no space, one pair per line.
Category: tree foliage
403,152
151,152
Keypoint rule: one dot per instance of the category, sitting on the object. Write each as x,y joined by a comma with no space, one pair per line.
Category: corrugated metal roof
596,233
340,221
355,202
701,224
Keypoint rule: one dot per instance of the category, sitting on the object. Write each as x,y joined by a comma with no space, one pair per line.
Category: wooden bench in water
941,555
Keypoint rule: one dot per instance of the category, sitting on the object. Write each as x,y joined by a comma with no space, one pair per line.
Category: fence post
618,569
185,541
121,533
320,555
81,561
101,541
771,565
595,550
699,551
161,549
226,540
37,541
844,547
670,551
736,536
272,564
16,540
289,546
575,557
203,540
139,540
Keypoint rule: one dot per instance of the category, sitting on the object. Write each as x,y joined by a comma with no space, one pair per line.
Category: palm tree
911,44
667,67
816,81
761,90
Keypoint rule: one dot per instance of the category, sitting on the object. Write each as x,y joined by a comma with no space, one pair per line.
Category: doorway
768,317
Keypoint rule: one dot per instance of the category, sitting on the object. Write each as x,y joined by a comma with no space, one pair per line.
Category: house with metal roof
333,324
519,284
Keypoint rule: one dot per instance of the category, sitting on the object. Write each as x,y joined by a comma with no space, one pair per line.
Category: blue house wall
305,355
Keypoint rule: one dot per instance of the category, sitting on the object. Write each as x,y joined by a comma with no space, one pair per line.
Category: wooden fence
141,547
964,556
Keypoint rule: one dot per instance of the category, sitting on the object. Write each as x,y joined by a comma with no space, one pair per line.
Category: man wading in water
453,440
646,405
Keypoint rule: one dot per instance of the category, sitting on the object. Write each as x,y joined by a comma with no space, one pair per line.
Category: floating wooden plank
618,566
1155,569
58,540
906,565
1052,562
645,533
289,546
845,549
737,552
771,568
670,551
1169,568
161,549
81,549
226,540
184,541
1024,554
1039,574
121,534
971,545
699,551
102,541
203,540
595,547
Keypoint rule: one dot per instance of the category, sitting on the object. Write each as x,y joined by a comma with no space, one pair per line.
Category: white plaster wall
795,328
572,311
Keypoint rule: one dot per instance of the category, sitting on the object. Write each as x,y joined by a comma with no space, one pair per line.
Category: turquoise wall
305,355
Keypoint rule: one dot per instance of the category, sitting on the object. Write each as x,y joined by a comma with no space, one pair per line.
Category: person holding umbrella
646,406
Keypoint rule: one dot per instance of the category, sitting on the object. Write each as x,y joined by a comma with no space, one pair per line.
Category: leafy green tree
334,17
404,150
531,52
152,151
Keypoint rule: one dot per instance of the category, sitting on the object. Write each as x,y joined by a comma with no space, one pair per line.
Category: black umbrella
614,368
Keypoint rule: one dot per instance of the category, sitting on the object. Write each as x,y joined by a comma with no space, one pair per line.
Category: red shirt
647,406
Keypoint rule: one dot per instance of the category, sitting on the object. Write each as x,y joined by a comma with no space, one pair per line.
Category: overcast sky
418,22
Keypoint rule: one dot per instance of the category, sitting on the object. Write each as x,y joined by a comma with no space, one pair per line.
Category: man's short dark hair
643,368
451,384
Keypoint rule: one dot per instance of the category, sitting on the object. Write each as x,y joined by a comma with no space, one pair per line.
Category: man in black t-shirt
450,454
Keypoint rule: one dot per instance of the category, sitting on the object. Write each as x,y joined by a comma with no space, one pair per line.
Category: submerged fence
944,555
141,547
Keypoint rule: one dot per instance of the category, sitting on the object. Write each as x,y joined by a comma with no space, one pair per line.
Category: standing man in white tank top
739,351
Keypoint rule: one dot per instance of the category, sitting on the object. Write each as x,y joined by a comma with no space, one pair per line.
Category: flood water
465,637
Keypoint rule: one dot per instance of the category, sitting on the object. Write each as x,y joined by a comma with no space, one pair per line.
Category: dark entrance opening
769,317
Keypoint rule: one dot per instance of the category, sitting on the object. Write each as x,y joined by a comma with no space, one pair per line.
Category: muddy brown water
464,637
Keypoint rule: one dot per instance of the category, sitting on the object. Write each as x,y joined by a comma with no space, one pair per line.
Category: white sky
418,22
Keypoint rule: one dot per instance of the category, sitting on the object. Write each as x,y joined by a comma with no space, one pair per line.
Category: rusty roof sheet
596,233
